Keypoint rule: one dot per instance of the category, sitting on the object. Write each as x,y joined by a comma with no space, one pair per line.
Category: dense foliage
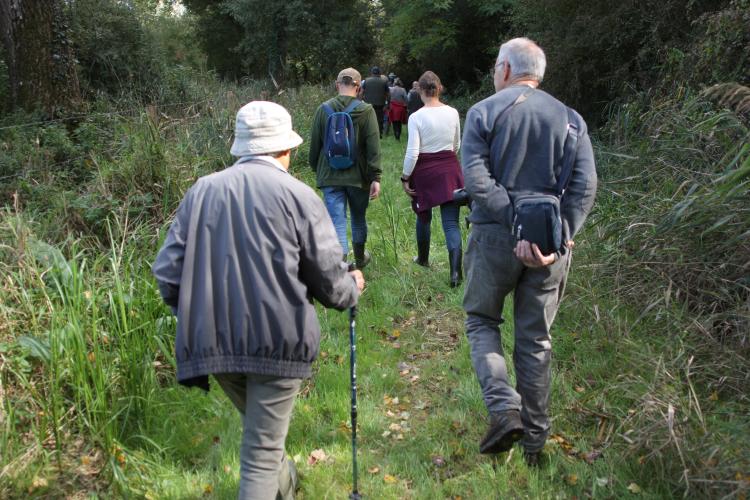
456,39
601,51
292,41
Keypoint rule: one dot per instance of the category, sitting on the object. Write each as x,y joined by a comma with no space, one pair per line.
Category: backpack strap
328,109
352,106
569,155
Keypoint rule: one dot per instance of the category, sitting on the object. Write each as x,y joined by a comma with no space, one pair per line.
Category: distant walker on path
375,91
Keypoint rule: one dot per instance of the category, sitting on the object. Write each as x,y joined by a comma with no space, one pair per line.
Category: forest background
111,109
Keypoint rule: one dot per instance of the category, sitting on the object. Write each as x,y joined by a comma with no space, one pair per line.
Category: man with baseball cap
248,250
354,186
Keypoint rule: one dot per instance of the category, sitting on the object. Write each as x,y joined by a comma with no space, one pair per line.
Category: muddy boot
361,256
423,253
455,259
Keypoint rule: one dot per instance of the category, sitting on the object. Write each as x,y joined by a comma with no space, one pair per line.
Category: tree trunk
41,65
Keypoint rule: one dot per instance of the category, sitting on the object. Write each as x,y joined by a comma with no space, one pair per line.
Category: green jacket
367,136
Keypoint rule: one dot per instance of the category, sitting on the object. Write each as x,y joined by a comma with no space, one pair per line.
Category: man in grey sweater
505,155
249,249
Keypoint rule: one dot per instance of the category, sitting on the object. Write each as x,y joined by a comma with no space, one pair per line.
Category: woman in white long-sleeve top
432,172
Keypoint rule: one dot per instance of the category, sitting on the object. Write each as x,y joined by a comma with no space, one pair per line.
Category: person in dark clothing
374,91
413,100
249,249
512,146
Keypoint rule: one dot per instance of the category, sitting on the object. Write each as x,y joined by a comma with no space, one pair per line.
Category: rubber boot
423,253
454,259
361,256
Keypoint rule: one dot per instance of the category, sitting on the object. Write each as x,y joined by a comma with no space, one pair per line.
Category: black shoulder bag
537,217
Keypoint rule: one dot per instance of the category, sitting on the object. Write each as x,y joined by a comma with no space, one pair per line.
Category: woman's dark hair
429,84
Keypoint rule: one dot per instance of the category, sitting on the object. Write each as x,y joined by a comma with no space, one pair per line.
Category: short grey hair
525,57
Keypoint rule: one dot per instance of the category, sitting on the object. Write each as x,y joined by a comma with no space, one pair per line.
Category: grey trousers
493,272
266,404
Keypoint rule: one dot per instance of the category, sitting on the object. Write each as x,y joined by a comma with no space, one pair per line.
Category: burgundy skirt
435,177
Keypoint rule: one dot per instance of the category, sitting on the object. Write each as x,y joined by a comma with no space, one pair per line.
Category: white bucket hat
263,127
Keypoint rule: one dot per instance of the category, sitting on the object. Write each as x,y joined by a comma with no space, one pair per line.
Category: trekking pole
353,376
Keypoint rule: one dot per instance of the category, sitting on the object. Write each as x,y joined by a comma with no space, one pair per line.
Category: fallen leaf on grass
591,456
373,470
385,434
389,479
316,456
579,389
634,488
207,489
571,479
394,427
602,481
227,469
566,445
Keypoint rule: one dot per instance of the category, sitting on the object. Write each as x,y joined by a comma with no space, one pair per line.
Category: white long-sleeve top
431,129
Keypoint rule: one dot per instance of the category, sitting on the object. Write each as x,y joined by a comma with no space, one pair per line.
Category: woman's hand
407,189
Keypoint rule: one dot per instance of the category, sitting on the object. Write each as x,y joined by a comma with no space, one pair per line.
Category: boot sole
498,443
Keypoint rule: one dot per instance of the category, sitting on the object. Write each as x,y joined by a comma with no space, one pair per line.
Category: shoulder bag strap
502,116
569,155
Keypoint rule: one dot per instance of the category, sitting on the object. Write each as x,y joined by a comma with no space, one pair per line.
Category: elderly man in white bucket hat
249,249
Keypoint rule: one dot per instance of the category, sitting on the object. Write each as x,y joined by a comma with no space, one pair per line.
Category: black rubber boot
455,258
423,253
361,256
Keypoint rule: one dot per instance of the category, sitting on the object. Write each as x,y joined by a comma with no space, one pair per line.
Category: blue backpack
340,145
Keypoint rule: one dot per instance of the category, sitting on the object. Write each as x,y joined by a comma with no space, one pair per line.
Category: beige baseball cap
350,73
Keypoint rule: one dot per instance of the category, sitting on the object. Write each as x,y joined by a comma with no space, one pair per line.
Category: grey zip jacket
521,154
249,249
